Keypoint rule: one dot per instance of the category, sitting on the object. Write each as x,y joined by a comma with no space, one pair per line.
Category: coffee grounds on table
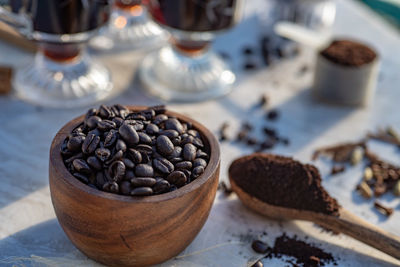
348,53
284,182
305,254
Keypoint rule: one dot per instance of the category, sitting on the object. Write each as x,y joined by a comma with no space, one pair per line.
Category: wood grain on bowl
131,231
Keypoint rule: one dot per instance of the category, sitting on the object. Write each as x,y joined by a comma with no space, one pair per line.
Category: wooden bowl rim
56,160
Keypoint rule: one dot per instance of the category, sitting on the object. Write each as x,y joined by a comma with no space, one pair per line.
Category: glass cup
187,70
130,28
62,74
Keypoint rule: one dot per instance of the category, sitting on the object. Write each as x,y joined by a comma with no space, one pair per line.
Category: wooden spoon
346,223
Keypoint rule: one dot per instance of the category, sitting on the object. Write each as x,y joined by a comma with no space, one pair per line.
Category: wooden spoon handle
352,225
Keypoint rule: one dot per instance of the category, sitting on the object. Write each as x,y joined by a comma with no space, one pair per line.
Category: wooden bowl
122,230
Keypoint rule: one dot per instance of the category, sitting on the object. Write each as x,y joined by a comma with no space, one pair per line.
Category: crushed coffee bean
284,182
305,254
134,153
383,209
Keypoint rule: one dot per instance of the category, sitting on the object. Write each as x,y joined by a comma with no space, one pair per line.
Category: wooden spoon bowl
119,230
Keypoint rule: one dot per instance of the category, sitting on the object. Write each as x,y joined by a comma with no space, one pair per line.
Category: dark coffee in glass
195,15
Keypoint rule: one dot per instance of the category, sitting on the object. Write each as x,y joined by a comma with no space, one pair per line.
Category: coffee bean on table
259,246
134,153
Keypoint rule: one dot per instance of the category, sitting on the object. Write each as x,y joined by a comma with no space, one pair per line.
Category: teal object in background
389,9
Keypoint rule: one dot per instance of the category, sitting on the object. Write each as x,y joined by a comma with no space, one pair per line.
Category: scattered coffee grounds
305,254
5,80
284,182
382,209
224,188
337,169
348,53
134,153
259,247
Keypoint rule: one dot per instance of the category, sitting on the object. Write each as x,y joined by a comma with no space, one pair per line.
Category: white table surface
31,236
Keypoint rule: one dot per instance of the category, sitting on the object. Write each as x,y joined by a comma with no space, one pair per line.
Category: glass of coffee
62,73
130,28
187,69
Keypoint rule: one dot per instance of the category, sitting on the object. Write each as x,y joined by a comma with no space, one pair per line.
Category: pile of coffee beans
134,153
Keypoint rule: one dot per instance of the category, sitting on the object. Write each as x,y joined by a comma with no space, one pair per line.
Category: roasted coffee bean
129,135
272,115
199,162
164,145
145,157
144,138
94,163
160,118
105,112
110,138
184,165
143,181
72,158
174,124
152,129
118,121
90,144
136,116
129,174
75,143
81,166
92,121
161,186
106,125
194,133
138,126
103,154
117,156
128,163
197,142
111,187
176,153
120,145
189,152
172,188
96,132
91,112
117,170
125,188
188,139
100,179
146,149
187,173
259,246
176,141
144,170
163,165
81,177
159,109
201,154
250,65
169,133
177,177
142,191
92,186
148,114
197,171
175,160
